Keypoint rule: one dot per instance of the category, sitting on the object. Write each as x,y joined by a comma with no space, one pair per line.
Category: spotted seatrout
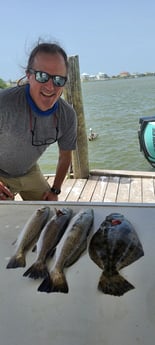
47,242
73,244
28,235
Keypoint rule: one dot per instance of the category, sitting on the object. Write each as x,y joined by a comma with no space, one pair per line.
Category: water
112,109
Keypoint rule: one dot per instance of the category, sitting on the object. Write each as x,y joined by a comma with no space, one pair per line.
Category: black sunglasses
43,77
49,141
39,142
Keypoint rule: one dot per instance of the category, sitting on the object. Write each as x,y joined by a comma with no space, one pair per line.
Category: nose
50,83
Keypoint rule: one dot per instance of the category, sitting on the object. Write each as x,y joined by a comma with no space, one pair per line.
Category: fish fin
133,255
58,212
54,283
17,261
37,270
114,285
45,286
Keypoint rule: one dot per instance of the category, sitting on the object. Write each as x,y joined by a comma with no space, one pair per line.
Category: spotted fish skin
47,242
113,246
69,251
28,235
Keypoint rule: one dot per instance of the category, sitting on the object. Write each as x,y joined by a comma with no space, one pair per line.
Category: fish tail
17,261
37,270
114,285
55,282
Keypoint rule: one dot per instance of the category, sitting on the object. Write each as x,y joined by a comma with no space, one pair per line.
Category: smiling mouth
47,94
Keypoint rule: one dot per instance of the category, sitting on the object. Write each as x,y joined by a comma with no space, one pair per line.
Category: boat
92,135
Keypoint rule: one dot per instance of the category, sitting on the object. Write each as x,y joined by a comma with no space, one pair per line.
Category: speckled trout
27,236
72,245
47,242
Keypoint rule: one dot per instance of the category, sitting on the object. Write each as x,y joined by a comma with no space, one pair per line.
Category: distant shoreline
87,78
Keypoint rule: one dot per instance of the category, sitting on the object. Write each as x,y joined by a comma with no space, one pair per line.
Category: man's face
46,94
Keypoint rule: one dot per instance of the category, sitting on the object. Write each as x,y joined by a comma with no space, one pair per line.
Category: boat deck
108,186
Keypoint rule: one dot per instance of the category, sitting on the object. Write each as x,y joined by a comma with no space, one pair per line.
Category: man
33,116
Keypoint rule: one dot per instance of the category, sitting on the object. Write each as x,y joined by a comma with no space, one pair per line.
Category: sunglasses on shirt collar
43,77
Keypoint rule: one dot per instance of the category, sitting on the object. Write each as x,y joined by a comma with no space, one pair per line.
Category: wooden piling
73,95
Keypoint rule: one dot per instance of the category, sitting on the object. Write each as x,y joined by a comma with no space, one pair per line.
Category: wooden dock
109,186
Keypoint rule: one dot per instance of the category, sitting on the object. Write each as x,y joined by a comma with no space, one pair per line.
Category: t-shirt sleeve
68,140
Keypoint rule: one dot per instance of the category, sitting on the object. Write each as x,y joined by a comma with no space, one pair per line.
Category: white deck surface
84,316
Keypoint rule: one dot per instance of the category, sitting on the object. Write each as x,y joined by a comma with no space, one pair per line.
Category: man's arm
64,162
62,167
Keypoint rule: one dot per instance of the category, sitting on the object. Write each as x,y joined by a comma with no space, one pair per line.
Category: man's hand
49,196
5,193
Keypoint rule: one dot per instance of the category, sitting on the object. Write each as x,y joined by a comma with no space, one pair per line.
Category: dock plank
76,191
112,188
135,190
123,189
148,190
100,172
66,189
50,180
99,191
108,186
89,189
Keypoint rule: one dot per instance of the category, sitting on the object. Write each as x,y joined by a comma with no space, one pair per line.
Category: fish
47,242
113,246
28,235
72,245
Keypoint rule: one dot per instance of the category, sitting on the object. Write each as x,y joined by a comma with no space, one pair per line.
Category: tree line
3,84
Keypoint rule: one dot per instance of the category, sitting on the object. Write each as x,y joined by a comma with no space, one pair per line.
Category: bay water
112,108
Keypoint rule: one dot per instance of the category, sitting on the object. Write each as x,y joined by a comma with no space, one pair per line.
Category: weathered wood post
73,95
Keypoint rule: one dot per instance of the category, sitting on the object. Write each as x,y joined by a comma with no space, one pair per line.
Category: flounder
113,246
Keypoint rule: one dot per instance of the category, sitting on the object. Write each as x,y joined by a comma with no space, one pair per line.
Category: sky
109,36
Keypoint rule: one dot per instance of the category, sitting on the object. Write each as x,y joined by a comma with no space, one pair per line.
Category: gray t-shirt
17,154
